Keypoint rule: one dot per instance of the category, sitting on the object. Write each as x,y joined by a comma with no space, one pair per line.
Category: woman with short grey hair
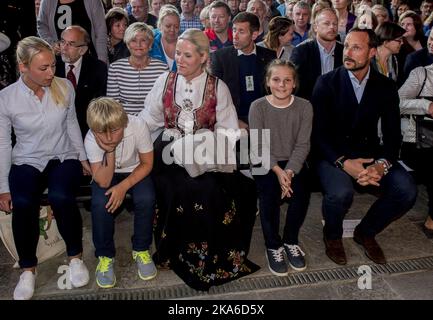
130,79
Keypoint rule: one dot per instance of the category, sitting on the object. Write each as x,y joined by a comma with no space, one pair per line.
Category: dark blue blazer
225,66
92,83
306,57
344,127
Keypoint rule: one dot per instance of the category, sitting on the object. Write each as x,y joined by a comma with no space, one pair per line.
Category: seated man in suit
348,103
320,55
242,66
87,74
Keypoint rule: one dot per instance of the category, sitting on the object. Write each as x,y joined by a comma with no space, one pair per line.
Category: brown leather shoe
371,247
335,251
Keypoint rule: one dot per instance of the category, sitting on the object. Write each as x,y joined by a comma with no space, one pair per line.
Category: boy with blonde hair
120,152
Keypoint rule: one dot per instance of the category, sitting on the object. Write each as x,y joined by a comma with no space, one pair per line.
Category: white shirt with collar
358,87
77,68
136,140
326,58
240,52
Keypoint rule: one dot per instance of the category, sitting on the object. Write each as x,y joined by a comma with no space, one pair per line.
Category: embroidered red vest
204,116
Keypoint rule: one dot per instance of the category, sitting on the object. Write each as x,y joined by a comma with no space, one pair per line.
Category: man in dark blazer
242,66
348,104
89,73
419,58
318,56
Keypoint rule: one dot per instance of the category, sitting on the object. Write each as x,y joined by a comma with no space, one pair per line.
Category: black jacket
225,66
342,127
306,57
420,58
91,84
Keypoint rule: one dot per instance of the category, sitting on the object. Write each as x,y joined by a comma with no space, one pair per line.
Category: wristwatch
339,163
385,164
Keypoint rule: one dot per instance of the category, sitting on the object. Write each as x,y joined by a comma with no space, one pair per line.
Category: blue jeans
269,192
143,197
398,193
26,186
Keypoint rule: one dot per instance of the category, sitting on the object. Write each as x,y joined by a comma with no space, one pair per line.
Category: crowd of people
138,95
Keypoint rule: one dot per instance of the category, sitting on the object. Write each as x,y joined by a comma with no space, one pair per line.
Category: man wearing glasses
87,74
56,15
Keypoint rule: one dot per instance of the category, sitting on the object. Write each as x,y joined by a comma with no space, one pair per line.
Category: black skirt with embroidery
203,225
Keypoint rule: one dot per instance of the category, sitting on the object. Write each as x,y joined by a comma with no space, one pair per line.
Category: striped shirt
130,86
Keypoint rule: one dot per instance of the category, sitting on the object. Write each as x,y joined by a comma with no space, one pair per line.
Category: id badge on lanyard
249,83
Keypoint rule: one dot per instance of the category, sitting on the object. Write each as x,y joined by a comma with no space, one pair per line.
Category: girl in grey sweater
285,123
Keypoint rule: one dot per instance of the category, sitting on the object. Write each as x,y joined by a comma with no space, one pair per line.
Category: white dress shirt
76,70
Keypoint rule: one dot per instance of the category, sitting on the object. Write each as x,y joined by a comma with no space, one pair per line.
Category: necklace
119,161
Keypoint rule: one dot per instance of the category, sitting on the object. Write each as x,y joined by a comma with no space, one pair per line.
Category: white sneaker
78,273
25,287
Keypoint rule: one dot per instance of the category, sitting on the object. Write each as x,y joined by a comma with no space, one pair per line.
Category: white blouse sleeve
226,116
153,112
5,146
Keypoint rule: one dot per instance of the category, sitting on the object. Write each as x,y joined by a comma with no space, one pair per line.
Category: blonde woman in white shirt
47,154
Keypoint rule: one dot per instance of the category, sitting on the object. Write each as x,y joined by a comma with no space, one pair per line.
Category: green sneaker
146,267
105,276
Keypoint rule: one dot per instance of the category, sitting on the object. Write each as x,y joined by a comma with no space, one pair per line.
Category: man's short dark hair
249,17
220,4
372,38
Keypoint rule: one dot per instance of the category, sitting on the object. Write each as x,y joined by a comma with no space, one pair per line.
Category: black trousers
26,186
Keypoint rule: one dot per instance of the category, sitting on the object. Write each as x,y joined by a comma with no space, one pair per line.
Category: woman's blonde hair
104,114
136,27
199,40
167,10
27,49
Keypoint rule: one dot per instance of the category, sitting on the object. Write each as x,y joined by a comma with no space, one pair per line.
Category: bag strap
423,83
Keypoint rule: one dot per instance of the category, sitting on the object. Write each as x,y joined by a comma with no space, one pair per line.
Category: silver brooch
187,105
